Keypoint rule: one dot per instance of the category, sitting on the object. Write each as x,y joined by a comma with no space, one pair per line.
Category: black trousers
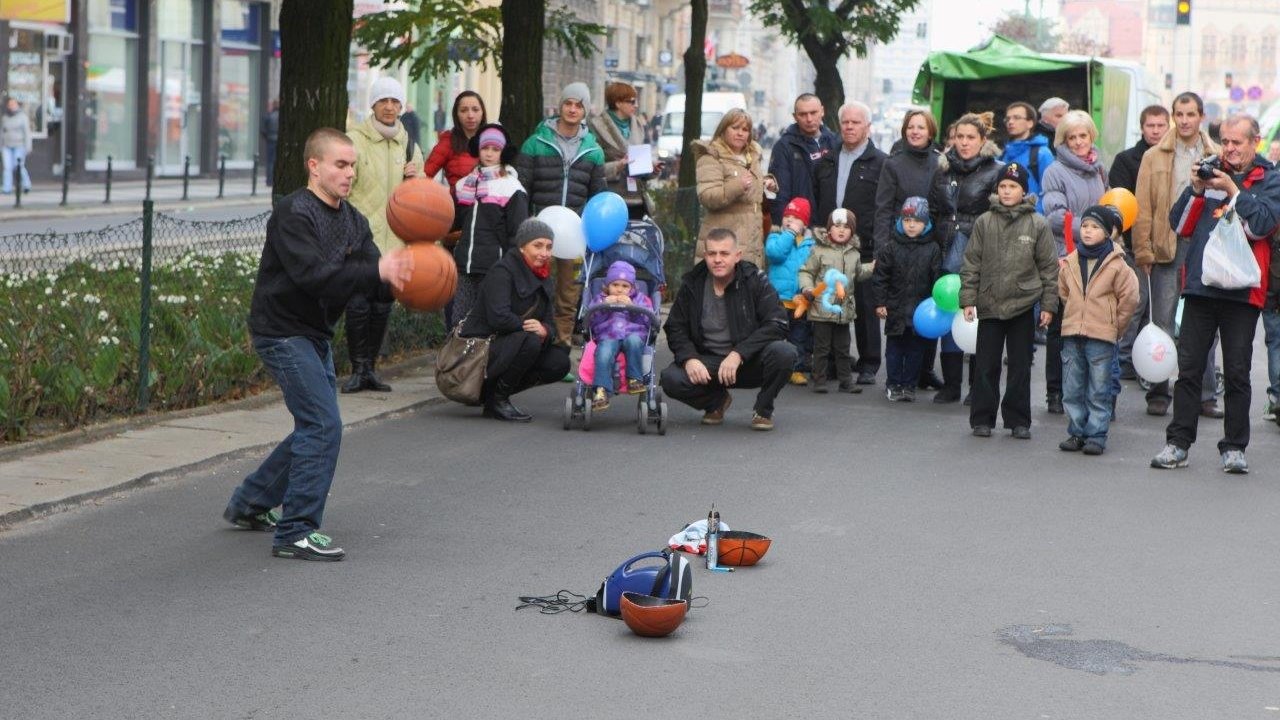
995,338
522,360
1053,355
1235,323
866,330
769,370
831,343
367,320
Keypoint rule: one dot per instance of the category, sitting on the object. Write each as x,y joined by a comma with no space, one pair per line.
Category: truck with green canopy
1001,71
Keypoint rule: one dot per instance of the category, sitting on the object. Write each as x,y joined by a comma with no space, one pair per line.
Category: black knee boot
379,316
952,374
929,379
357,331
498,404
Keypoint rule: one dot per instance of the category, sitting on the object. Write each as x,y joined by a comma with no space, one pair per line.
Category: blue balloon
931,321
604,219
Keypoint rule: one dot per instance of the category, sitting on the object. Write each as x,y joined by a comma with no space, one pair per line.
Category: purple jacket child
618,324
617,331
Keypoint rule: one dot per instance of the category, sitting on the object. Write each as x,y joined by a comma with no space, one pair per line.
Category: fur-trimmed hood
988,150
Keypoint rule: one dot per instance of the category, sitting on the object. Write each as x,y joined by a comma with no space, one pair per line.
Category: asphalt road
916,572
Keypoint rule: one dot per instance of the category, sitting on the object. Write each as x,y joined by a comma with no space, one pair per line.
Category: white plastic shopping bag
1228,262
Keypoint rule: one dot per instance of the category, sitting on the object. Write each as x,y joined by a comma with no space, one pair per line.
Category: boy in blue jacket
786,249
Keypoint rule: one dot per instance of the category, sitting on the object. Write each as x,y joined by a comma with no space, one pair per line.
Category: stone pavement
54,475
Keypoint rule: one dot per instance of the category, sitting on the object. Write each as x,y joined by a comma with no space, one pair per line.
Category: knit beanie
492,137
533,229
1104,215
1015,172
621,270
916,207
799,208
385,87
576,91
840,216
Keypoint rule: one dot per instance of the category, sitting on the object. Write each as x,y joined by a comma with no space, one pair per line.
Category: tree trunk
695,72
828,86
524,23
315,52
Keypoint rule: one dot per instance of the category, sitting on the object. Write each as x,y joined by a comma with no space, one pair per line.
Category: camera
1207,166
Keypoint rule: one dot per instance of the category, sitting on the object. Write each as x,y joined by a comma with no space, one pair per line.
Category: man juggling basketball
319,254
385,158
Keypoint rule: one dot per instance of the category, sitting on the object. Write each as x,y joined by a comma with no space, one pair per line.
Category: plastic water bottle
713,537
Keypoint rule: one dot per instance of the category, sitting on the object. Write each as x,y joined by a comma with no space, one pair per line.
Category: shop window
111,83
240,86
29,80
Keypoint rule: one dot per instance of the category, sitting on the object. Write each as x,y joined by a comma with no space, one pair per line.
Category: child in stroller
636,257
615,330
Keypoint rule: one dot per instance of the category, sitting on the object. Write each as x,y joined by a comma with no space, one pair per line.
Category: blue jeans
1087,367
13,156
800,334
904,355
299,471
607,360
1271,336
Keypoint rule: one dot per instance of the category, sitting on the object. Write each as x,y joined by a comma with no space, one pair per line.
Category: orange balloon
1124,201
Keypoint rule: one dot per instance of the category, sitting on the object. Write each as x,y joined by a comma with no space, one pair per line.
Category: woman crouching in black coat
515,307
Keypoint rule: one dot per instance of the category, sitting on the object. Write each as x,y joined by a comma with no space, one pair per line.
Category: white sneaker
311,547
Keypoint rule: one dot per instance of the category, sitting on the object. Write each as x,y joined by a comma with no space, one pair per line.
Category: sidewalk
51,476
44,200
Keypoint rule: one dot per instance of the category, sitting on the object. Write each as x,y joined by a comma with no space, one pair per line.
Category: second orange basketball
420,210
434,279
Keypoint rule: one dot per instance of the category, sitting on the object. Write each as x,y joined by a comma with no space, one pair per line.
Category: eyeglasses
1012,118
632,101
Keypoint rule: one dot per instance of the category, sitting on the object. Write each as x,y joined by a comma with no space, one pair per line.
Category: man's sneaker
600,400
1071,444
715,415
260,521
850,387
982,431
866,377
1269,412
799,378
1094,448
1170,457
1053,403
1021,432
894,393
908,394
311,547
1234,462
819,386
760,422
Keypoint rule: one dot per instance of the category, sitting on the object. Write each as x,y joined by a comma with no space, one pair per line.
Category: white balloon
965,333
1155,357
569,243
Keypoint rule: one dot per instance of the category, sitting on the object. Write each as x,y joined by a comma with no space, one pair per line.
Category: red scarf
541,273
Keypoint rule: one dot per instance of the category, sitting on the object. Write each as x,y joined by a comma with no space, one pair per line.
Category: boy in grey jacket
1010,264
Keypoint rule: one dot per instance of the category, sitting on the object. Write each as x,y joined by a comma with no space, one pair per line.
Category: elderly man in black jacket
727,329
848,178
1154,121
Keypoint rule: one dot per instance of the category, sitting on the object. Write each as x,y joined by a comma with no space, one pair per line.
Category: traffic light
1184,12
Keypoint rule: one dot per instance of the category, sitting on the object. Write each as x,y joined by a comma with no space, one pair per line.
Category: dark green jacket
552,179
1011,262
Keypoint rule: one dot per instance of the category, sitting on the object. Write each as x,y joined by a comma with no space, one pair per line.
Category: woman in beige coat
618,128
731,185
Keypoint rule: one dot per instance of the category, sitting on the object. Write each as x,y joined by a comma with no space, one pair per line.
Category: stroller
641,245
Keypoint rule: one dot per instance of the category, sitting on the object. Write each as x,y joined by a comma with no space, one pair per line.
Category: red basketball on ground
434,280
650,616
420,211
741,548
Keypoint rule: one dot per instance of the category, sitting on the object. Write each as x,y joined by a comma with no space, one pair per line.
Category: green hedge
69,346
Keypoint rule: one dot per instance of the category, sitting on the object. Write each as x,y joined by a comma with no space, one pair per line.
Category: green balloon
946,292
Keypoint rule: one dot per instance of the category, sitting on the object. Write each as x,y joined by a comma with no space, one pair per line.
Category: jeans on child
1271,336
1087,367
904,354
607,360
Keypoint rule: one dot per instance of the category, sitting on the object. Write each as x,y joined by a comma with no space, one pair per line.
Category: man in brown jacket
1158,253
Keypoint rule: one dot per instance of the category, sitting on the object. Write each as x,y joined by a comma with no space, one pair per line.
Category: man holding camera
1239,175
1163,176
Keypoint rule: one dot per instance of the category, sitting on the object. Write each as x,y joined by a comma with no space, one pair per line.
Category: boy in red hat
786,249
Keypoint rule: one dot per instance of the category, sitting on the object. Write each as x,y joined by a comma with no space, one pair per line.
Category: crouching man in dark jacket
727,329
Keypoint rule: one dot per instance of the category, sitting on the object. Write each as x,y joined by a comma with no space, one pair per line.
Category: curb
14,518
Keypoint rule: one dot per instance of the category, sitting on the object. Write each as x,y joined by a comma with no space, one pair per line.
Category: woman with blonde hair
731,185
1070,186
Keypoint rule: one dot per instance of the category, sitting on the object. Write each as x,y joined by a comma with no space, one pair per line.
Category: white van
714,106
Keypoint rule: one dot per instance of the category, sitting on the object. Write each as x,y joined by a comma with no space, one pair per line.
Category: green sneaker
315,546
263,521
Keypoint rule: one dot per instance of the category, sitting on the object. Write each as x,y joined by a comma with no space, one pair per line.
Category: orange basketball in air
434,279
420,210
